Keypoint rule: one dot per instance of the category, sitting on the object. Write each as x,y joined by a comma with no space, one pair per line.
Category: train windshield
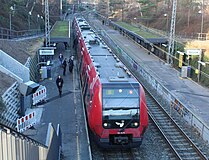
120,101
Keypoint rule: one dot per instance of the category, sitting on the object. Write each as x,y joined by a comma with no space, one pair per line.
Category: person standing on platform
59,83
61,58
64,65
71,64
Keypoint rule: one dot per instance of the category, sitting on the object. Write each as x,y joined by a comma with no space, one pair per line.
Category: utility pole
108,9
10,19
60,9
202,20
172,32
47,27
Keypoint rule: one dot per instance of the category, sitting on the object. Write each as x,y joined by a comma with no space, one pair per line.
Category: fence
14,145
39,95
26,122
7,34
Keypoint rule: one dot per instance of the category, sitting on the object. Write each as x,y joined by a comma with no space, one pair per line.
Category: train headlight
105,124
136,124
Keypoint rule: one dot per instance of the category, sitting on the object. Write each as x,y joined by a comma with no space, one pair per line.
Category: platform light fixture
38,26
29,16
10,19
203,63
166,16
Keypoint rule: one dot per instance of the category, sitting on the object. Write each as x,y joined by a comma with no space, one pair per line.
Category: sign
193,52
26,122
46,52
180,60
39,95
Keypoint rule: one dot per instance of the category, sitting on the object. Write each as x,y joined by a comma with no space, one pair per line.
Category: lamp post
135,21
60,9
10,19
166,16
122,9
202,18
108,5
41,21
38,17
29,15
198,67
38,25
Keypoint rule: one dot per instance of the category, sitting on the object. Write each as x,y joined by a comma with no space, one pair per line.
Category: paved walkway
66,111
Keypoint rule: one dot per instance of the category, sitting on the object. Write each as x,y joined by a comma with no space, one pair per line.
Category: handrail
10,34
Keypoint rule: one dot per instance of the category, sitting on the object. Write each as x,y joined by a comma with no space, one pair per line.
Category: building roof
19,50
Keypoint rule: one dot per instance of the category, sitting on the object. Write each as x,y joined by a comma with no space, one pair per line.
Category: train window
120,101
85,82
120,98
86,91
121,92
109,92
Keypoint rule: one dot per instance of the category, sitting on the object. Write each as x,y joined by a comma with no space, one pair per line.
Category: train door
80,65
86,93
85,85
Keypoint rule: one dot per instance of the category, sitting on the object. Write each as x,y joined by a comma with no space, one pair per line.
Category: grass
60,29
136,30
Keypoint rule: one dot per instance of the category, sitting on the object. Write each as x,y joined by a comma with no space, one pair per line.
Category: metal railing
7,34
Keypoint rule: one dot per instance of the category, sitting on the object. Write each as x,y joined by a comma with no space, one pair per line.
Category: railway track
115,154
179,143
119,155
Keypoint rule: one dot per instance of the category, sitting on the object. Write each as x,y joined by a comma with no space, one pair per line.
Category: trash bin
184,70
43,72
189,71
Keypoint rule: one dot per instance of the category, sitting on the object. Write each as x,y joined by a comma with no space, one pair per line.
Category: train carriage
115,102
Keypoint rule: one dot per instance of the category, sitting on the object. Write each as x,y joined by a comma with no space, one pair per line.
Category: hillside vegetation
158,13
26,14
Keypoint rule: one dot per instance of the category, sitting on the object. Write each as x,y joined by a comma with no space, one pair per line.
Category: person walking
59,83
64,65
71,64
61,58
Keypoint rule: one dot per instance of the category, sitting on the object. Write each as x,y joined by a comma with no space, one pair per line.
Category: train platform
195,96
66,110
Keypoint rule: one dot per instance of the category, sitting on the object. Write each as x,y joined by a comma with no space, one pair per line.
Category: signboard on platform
181,54
46,52
193,52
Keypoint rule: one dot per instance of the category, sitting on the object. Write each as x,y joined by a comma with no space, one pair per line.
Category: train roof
109,68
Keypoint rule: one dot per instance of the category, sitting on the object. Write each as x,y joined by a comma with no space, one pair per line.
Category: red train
115,102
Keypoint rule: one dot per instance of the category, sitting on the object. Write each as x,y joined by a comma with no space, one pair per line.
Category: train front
124,115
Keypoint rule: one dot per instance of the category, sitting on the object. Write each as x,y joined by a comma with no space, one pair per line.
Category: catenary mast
47,27
172,33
